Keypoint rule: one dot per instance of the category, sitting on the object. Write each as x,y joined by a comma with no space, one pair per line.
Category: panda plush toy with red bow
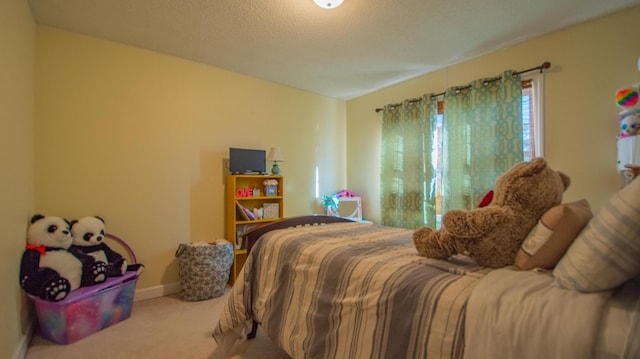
49,270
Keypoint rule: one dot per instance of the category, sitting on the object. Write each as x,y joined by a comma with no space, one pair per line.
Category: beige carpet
165,327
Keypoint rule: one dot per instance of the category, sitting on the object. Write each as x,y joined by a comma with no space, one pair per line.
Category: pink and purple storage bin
86,310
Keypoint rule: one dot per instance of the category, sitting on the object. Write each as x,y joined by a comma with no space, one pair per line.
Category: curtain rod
540,68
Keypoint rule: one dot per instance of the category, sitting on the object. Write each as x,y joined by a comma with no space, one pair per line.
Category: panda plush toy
88,237
49,270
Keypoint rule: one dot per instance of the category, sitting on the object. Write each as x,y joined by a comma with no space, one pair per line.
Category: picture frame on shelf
270,187
271,190
271,210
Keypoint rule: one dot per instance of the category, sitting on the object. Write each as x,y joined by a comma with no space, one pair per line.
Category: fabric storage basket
90,309
204,269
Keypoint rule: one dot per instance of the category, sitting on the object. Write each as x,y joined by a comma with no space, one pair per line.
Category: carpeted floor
165,327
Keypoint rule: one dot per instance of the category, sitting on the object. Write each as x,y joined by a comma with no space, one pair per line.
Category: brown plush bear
492,235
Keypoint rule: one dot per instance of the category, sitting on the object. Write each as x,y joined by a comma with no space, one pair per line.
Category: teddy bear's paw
428,242
57,290
99,272
422,232
122,266
138,268
432,252
117,268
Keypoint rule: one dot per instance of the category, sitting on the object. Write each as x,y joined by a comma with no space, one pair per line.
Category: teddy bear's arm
29,264
42,282
115,261
112,256
473,224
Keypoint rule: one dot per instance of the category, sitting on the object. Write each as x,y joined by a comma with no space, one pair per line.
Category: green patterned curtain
482,138
407,174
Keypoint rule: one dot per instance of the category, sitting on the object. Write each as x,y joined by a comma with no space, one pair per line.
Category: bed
351,290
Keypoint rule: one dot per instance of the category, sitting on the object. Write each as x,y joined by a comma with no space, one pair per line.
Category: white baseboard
157,291
23,344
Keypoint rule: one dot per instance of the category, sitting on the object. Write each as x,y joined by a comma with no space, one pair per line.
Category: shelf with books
248,197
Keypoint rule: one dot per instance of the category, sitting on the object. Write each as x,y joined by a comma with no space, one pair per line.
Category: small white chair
348,207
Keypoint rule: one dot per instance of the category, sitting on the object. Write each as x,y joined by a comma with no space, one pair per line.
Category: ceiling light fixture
328,4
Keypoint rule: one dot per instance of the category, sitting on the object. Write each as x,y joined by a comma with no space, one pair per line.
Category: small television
246,161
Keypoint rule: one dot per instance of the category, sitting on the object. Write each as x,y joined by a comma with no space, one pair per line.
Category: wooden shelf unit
237,191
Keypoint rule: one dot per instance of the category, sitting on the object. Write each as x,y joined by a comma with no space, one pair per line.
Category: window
532,126
532,116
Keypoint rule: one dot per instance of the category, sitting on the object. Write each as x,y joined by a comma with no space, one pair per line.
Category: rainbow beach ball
627,98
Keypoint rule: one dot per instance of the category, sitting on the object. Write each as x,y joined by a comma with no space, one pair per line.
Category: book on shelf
241,212
244,212
240,241
249,213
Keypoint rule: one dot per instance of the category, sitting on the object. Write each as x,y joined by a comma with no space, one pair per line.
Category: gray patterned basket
204,269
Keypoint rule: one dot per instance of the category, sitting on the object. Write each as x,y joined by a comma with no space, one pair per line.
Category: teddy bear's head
87,231
49,232
629,124
531,187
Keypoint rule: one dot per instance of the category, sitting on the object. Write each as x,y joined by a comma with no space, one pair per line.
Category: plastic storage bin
87,310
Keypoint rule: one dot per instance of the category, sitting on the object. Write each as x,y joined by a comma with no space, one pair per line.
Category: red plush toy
486,199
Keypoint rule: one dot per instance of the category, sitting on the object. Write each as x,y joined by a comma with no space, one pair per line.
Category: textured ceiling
360,47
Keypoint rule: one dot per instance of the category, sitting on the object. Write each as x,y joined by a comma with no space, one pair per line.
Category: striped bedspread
351,290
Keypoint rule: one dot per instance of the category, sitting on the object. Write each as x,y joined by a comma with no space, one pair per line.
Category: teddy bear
491,235
88,236
629,124
48,269
628,100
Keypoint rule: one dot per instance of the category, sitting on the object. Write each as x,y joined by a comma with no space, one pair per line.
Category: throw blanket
620,324
350,290
519,314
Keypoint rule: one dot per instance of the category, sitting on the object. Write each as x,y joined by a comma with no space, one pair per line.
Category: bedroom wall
139,139
589,62
17,33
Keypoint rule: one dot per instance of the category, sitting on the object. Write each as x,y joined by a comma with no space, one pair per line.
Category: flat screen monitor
246,161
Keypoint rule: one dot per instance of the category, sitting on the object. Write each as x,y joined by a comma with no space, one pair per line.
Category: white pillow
607,251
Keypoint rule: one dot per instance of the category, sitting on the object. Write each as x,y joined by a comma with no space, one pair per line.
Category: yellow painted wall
589,63
139,138
17,32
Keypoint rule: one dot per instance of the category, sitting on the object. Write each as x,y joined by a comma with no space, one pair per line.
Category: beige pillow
553,234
